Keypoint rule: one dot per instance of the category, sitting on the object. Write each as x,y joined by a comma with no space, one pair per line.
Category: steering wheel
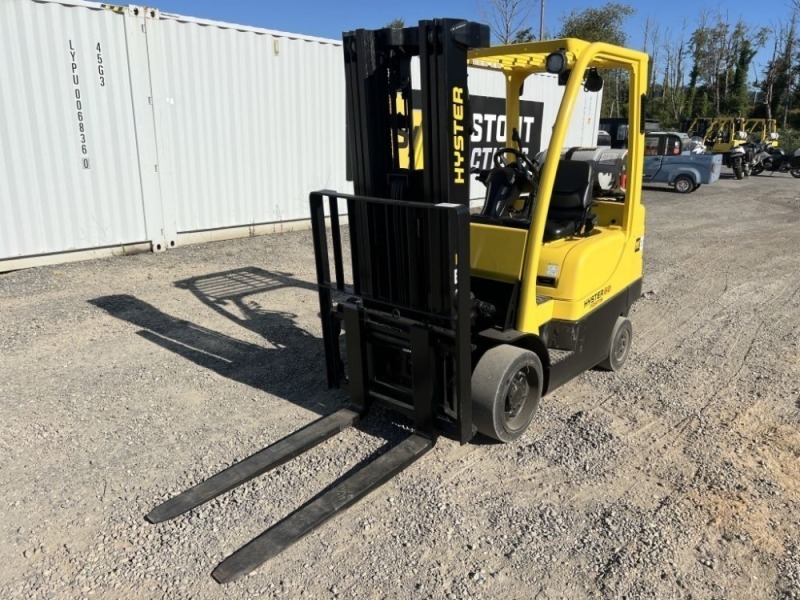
522,160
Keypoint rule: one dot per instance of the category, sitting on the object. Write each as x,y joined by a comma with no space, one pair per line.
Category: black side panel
593,338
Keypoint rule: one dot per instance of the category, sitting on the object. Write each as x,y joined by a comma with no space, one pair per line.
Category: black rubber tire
757,169
696,186
619,346
683,184
506,389
738,172
795,173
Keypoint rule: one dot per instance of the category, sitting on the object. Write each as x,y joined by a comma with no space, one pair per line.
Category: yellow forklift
762,131
728,137
460,321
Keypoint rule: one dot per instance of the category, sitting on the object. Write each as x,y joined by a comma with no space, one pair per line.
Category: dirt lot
126,380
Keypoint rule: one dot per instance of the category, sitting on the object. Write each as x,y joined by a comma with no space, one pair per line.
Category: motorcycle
737,160
776,160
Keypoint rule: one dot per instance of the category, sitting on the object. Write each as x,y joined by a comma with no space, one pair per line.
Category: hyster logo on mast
458,135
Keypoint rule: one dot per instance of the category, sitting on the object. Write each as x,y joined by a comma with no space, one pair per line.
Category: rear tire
795,173
506,389
683,184
619,346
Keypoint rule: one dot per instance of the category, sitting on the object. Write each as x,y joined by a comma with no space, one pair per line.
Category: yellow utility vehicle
728,137
762,131
460,321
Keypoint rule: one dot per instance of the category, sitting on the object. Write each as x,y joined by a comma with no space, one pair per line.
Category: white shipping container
69,166
124,128
254,120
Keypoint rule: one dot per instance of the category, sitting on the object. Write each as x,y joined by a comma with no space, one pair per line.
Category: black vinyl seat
570,201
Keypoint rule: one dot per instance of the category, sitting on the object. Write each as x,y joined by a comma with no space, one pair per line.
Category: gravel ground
126,380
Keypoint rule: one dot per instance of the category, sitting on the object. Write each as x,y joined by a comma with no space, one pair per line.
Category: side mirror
594,82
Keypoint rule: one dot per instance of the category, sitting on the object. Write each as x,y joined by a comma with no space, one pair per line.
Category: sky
329,18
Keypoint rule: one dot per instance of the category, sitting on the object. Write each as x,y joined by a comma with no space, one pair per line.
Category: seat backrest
572,187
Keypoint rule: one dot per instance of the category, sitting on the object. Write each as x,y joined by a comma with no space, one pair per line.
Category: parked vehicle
762,131
669,160
776,160
727,137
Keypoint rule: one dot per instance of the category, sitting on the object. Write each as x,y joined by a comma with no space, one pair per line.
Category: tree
675,90
523,35
603,24
722,54
508,19
778,75
737,101
396,23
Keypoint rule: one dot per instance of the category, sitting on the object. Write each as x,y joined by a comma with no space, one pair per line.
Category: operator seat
570,201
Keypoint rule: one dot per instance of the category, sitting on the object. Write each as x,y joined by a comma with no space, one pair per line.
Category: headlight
556,62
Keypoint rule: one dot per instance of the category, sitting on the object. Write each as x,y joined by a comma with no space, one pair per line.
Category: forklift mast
409,227
377,71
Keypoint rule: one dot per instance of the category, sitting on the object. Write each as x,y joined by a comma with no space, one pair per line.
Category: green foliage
523,35
736,102
790,139
603,24
722,54
396,23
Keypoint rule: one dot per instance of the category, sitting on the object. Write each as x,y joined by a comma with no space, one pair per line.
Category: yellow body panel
497,252
587,266
590,270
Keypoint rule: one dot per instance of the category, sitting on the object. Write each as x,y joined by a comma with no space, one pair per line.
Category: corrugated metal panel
52,85
256,119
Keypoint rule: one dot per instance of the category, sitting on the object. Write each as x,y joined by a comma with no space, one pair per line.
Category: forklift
763,132
728,137
459,321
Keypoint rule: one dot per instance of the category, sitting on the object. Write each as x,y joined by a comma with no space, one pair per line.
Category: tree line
702,70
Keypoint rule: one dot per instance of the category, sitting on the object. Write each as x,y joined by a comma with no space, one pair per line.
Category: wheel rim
682,185
518,391
621,346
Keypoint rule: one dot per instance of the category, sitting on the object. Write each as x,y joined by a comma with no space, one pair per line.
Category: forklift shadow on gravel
276,370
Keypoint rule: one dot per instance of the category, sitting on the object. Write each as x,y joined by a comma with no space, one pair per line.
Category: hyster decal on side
458,135
597,297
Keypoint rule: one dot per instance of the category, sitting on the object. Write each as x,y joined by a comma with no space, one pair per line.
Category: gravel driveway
125,380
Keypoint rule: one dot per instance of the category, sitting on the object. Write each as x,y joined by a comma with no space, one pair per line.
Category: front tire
619,346
684,184
738,172
795,173
506,389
